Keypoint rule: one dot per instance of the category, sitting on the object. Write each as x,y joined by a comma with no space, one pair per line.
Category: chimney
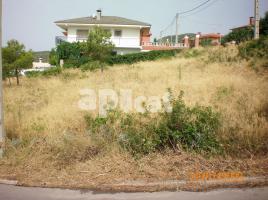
251,21
98,14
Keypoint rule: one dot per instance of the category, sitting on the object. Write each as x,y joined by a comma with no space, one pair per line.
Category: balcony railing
158,44
60,39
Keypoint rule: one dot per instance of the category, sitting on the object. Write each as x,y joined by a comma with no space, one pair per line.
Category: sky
32,21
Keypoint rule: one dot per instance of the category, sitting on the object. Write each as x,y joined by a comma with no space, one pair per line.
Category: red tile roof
211,35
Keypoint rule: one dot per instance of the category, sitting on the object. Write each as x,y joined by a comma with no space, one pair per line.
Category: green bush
193,128
192,53
76,55
254,48
222,54
32,74
206,42
240,35
54,71
53,57
66,50
143,56
189,128
76,62
91,66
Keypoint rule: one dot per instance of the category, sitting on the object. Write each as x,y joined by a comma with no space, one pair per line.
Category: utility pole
177,28
257,20
2,135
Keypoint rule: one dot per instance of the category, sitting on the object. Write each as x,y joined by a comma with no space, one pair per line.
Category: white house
127,35
41,65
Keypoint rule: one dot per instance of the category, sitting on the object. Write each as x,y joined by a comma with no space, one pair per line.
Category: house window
118,33
82,34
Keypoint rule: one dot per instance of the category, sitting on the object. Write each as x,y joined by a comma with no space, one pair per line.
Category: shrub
53,71
76,62
192,53
68,75
222,54
264,24
66,50
138,134
240,35
188,128
254,48
256,52
193,128
31,74
77,54
91,66
206,42
143,56
223,92
70,148
53,57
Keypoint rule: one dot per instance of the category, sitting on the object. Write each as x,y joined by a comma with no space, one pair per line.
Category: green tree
264,25
247,33
67,50
206,42
240,35
15,58
98,46
53,57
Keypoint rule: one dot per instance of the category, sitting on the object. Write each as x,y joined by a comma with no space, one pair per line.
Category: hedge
76,62
143,56
54,71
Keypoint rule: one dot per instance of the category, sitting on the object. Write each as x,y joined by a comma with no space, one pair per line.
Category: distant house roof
241,27
249,25
111,20
211,35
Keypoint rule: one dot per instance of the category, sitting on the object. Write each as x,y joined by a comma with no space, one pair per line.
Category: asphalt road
9,192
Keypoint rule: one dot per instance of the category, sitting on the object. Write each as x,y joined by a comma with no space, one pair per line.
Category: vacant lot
48,141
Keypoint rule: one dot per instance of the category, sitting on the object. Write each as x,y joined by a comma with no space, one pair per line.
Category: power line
213,2
201,22
172,22
187,11
200,5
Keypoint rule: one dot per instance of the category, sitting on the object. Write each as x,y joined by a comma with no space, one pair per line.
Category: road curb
8,182
156,186
187,185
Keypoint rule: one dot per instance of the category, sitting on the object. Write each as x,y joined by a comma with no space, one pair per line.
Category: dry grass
46,109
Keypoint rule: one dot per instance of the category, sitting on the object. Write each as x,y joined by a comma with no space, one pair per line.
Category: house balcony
127,42
119,42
